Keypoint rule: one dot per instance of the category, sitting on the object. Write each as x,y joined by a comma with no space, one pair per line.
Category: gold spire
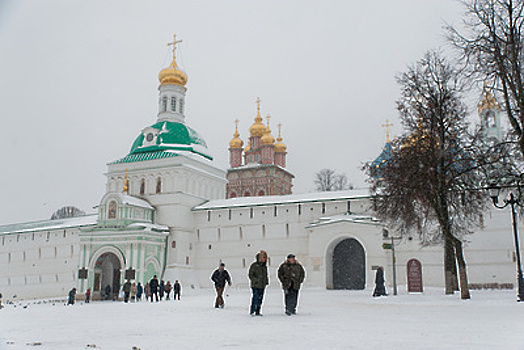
268,139
236,142
488,102
172,75
125,189
386,126
280,146
258,128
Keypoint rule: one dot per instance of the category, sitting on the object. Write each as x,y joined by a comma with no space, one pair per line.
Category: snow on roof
48,225
351,218
150,227
286,199
134,201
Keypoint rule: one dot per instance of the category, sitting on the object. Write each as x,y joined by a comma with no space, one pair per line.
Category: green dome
170,136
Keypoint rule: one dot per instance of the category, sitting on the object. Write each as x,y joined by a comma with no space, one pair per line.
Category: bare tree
491,46
330,180
433,165
67,212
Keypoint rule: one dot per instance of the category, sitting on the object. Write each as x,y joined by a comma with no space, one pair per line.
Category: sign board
414,268
82,274
130,274
387,246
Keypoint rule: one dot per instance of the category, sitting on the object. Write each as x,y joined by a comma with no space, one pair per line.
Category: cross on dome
386,126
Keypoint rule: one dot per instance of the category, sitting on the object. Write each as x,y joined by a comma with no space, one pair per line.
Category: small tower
280,149
252,153
268,145
489,113
235,148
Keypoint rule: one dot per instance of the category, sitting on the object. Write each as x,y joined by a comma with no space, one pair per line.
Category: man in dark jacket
177,288
161,289
380,288
127,290
71,299
291,274
153,285
259,280
139,291
220,276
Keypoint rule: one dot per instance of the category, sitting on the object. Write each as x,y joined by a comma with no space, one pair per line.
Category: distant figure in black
153,285
220,276
177,288
161,290
127,291
71,300
380,288
107,290
139,291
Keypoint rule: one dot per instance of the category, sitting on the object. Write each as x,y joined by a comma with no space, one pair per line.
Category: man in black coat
380,288
71,300
177,288
127,290
153,285
220,276
291,274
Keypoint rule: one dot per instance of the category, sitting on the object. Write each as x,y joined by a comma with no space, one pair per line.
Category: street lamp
494,192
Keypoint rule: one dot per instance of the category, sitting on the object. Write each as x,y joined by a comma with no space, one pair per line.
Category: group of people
160,290
291,275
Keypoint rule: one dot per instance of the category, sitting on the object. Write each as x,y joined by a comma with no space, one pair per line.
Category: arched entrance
107,273
349,265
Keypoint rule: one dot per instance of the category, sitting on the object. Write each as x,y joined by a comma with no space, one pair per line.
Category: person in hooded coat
380,288
71,299
291,274
259,280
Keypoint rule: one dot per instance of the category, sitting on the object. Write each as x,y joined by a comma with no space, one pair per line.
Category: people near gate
259,280
153,286
380,288
167,289
291,275
220,276
133,292
161,290
139,291
126,288
71,299
147,291
88,295
177,288
107,292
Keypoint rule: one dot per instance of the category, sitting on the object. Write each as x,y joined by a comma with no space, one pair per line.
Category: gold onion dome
236,142
280,146
248,147
172,75
258,128
488,102
267,139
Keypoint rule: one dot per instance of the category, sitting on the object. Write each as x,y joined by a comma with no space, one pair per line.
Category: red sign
414,276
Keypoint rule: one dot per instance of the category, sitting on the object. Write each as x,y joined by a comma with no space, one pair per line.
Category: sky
79,80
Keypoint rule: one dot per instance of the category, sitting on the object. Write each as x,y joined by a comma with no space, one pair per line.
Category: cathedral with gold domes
169,211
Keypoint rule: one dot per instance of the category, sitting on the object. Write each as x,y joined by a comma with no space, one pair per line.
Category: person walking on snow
177,288
167,289
88,295
153,287
127,290
220,276
134,291
139,291
291,274
71,300
380,288
259,280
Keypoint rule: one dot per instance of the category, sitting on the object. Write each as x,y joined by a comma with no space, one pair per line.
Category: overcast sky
79,79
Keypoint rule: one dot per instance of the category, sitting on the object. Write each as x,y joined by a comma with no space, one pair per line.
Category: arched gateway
349,265
107,273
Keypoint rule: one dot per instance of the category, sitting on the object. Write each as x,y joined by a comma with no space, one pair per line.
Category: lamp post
494,192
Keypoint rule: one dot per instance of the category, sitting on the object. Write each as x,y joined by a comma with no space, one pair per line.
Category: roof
378,165
48,225
286,199
170,136
134,201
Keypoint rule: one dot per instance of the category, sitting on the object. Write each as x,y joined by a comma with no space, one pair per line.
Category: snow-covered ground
325,320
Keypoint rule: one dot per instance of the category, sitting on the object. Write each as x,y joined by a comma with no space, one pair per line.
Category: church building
169,211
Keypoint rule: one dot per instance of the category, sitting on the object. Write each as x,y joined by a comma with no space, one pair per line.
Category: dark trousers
155,293
219,301
87,299
167,295
126,297
176,295
290,300
256,300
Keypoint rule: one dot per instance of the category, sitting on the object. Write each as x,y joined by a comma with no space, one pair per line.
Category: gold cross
236,123
387,125
174,45
258,103
268,117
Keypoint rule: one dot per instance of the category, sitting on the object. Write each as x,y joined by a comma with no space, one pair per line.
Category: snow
325,320
285,199
48,225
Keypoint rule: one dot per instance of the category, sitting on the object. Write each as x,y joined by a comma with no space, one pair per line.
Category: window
323,208
247,194
233,195
111,214
251,212
164,103
241,234
275,213
261,193
287,230
173,244
181,108
158,185
263,231
142,186
349,207
208,215
229,214
173,104
299,209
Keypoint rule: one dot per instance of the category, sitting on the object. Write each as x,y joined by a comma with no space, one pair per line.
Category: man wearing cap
291,274
220,276
259,280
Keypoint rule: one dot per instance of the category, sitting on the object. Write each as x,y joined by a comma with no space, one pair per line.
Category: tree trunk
454,275
449,256
464,287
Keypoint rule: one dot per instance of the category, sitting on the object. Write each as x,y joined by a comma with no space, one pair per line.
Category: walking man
177,288
153,286
127,290
220,277
291,274
71,299
259,280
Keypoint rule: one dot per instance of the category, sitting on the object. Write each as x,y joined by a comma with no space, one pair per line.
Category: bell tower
489,112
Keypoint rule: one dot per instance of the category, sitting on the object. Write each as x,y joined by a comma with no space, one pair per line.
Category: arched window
173,103
261,193
159,185
247,194
111,213
233,195
164,104
181,108
142,187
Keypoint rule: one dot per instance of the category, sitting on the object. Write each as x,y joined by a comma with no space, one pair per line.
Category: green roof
138,157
